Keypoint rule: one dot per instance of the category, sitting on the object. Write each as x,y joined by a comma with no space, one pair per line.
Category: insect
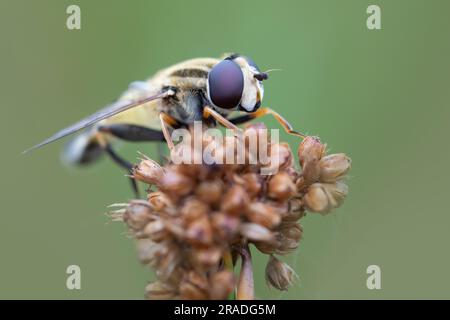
201,89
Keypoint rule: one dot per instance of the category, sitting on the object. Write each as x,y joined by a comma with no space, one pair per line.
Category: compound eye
226,84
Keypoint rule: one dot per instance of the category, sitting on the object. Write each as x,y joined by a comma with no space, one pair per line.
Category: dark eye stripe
226,84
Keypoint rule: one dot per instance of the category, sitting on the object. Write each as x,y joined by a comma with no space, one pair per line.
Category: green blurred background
380,96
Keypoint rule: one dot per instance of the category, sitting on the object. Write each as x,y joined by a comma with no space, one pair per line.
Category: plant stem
228,262
245,289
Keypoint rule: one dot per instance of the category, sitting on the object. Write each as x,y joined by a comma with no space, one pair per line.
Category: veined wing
109,111
145,116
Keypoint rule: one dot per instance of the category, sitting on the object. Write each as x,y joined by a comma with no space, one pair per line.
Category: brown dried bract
202,218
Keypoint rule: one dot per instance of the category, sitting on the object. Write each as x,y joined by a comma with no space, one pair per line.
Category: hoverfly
202,89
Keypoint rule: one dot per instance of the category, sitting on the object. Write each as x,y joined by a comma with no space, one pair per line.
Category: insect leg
166,121
208,112
136,133
130,132
124,164
267,111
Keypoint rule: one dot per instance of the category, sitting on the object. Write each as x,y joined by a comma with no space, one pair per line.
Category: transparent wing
104,113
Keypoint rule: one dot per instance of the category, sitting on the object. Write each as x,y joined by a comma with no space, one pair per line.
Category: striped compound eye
226,84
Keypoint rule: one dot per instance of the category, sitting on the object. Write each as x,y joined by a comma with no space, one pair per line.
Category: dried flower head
279,274
202,217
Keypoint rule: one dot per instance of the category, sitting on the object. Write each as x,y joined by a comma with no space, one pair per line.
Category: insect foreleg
267,111
167,121
208,112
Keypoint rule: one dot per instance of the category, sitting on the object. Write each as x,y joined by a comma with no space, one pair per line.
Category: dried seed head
259,130
281,207
323,197
256,232
159,201
280,157
310,173
176,184
293,173
193,209
278,274
295,206
255,135
209,191
262,214
160,290
175,227
155,230
137,215
281,187
336,192
199,231
235,200
316,199
291,216
204,216
252,183
206,257
194,287
334,167
222,284
165,257
288,237
225,226
311,149
267,247
148,171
